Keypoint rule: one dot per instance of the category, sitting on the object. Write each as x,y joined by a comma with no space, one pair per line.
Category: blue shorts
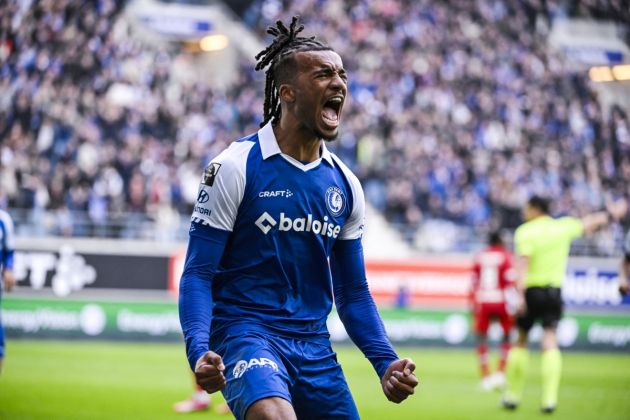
306,374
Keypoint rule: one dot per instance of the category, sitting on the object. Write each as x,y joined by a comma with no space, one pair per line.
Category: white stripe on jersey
353,229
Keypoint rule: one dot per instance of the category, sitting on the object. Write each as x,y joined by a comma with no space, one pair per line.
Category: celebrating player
493,278
542,246
275,232
6,265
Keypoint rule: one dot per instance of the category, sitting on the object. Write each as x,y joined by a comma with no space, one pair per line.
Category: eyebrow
328,68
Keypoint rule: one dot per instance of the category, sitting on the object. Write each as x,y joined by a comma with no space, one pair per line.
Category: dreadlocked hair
276,57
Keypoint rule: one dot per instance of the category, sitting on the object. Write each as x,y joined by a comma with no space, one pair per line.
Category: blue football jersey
6,241
284,217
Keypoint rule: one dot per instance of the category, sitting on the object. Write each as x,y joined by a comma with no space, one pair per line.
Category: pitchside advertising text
596,316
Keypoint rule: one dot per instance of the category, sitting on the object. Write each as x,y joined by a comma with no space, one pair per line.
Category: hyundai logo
202,197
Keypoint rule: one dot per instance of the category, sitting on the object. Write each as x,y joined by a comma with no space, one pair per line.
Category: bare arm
9,280
594,221
521,265
624,271
615,210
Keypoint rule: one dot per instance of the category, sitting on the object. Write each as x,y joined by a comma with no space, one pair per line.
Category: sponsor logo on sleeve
203,197
210,173
202,211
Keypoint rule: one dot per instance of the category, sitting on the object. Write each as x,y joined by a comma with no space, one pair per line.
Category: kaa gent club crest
335,201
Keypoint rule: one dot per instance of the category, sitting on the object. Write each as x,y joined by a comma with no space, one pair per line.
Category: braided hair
278,57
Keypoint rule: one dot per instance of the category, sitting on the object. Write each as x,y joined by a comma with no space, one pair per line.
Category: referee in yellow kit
542,247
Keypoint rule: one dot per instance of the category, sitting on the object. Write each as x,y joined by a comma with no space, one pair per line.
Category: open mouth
330,113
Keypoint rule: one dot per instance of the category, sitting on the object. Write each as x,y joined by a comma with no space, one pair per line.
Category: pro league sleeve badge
210,173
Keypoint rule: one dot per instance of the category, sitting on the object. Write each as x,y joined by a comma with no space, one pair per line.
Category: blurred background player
200,400
6,266
624,269
542,246
493,276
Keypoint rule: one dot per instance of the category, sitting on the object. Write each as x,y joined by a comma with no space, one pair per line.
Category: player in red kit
493,278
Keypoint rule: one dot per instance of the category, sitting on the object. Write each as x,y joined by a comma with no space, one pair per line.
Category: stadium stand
449,130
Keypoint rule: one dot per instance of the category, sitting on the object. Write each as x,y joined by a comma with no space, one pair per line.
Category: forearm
195,315
365,328
592,222
356,307
521,267
195,290
624,270
7,260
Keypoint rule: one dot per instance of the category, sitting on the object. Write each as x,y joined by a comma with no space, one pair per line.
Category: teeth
335,100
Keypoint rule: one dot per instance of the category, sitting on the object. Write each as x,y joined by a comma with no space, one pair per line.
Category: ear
287,93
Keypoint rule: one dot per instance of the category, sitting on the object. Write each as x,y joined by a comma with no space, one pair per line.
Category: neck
537,216
297,141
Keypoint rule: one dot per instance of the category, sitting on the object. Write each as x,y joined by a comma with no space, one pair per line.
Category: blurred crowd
459,111
99,136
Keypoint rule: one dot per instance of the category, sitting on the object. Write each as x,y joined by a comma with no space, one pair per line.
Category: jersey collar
269,144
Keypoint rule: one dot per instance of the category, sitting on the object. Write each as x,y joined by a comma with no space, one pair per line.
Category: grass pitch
107,380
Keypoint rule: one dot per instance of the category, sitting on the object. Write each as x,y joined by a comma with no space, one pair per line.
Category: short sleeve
222,188
522,245
8,236
353,228
572,227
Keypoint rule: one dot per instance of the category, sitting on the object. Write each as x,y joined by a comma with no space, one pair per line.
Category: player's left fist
399,381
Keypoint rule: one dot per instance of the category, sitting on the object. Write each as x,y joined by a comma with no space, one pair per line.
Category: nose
338,83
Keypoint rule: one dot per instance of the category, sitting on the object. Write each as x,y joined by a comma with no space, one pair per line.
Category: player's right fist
399,381
209,372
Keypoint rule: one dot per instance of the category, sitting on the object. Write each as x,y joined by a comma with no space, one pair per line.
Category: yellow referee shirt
546,241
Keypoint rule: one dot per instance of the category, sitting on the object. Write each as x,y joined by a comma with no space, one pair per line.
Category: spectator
460,112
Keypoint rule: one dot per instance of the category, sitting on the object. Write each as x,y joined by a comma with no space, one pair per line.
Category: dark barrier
67,271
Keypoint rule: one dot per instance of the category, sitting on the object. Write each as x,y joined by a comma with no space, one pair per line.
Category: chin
330,136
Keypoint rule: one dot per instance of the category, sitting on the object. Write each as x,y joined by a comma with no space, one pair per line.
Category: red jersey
492,274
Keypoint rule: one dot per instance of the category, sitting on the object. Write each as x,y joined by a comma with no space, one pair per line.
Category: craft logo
272,194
